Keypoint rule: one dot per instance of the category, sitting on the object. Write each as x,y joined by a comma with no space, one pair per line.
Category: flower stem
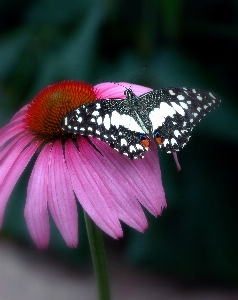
98,258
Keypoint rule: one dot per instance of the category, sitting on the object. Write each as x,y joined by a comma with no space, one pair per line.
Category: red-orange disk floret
46,110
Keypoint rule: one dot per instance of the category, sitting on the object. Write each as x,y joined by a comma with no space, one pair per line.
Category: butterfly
168,115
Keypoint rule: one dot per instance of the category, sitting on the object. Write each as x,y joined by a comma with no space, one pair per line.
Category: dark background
181,43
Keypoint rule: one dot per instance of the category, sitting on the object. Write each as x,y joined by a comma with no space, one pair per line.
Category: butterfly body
167,115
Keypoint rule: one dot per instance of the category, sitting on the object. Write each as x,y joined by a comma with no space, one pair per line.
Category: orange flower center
46,110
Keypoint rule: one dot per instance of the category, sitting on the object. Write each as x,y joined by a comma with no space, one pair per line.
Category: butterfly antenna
140,73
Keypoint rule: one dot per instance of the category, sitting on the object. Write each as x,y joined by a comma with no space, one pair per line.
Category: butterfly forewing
109,120
173,113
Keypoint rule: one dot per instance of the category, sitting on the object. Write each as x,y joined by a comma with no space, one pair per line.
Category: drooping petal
62,202
9,158
142,176
13,175
36,213
111,176
90,190
150,172
116,89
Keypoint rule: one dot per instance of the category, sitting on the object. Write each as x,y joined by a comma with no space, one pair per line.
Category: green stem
98,257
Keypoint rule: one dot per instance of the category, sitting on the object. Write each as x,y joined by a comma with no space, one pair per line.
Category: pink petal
36,213
7,147
116,89
9,126
151,175
13,175
20,114
9,131
142,176
112,177
90,189
9,159
146,171
61,197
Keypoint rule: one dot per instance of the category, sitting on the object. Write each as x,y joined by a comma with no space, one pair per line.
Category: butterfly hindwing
109,120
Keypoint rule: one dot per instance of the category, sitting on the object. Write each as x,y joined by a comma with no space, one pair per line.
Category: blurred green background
181,43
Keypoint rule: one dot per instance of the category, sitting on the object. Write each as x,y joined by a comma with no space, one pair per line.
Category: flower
110,188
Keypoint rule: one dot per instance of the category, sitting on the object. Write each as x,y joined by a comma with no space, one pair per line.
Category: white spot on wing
210,94
184,105
172,92
132,148
180,97
123,142
156,119
107,122
125,121
139,147
173,141
95,113
99,120
178,108
134,126
166,110
176,133
158,115
115,119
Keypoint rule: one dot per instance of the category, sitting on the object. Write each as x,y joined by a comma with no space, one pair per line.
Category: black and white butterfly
168,115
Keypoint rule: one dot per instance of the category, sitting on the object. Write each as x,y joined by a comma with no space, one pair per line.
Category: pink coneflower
110,187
